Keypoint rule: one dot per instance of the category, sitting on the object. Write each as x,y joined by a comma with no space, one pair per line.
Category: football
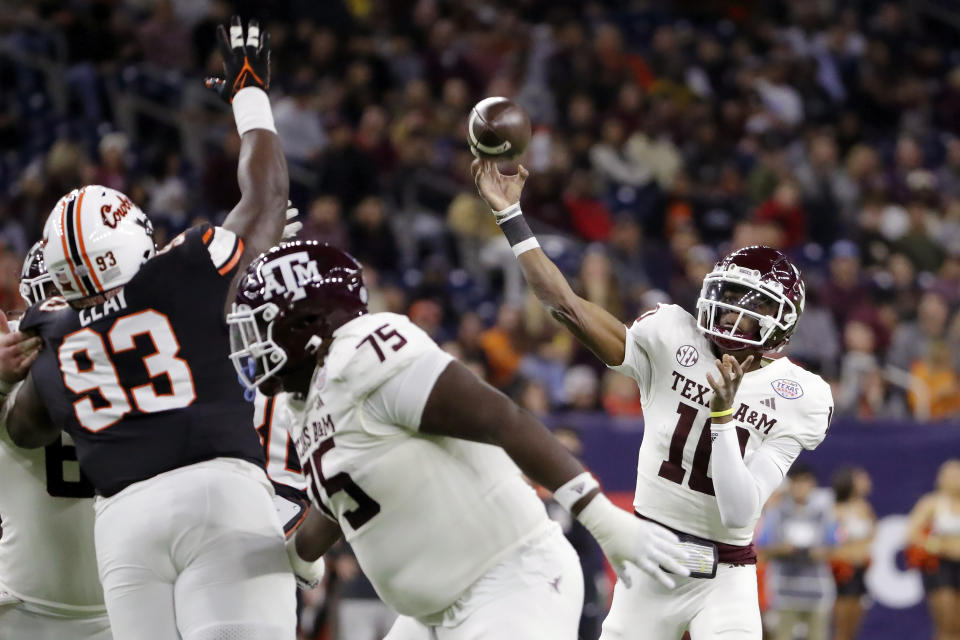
498,128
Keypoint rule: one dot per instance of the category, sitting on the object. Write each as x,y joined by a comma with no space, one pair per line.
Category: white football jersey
47,555
426,515
271,417
670,359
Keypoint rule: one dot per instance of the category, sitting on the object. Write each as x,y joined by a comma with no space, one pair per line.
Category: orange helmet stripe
83,250
66,250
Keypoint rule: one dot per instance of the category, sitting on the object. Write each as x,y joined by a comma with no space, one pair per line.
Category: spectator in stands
845,291
856,523
372,240
298,120
862,391
502,346
785,210
324,222
796,537
935,378
112,170
933,532
912,340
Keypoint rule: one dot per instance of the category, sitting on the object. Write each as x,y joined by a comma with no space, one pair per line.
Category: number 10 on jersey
672,468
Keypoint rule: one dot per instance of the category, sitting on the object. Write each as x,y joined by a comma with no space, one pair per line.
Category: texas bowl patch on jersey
687,355
789,389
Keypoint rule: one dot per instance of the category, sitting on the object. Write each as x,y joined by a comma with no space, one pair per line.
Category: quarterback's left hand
293,225
725,389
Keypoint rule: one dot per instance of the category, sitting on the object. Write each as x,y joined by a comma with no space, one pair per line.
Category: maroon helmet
36,285
753,282
289,302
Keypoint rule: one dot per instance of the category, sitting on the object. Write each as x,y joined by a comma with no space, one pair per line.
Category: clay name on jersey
100,311
693,390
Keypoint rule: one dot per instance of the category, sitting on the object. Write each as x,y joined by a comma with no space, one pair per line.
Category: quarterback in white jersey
49,587
723,420
398,441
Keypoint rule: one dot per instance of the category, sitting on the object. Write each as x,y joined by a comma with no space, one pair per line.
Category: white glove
308,574
626,538
292,228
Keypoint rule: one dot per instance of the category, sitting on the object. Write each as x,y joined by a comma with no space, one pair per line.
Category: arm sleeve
742,486
401,399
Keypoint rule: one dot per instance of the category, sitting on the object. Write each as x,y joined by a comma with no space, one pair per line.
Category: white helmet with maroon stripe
95,240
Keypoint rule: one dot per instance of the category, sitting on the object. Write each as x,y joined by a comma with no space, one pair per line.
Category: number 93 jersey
780,407
142,381
426,515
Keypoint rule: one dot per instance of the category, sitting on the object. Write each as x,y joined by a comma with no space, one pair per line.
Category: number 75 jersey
426,515
780,406
142,381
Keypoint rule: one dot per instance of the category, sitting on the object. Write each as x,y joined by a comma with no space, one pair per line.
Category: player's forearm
28,423
316,535
261,174
590,324
738,497
264,188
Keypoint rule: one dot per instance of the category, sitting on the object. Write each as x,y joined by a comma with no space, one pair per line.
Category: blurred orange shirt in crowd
942,384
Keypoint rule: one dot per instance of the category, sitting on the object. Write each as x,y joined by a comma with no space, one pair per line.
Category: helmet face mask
36,284
253,351
767,302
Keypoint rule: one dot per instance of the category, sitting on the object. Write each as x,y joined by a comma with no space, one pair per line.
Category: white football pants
535,593
21,621
196,553
722,608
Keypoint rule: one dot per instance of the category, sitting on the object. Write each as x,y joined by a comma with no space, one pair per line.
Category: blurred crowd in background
665,134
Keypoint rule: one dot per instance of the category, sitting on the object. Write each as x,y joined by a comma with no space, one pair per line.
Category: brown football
498,128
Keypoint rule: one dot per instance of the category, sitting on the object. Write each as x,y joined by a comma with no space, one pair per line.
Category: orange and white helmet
95,240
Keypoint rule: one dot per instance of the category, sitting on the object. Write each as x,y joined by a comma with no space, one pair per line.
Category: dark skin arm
595,327
316,535
28,421
264,186
492,418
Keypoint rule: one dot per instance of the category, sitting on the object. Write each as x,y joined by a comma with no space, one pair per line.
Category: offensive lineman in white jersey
49,587
396,438
723,421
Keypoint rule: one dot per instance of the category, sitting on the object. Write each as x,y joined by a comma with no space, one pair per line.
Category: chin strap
314,344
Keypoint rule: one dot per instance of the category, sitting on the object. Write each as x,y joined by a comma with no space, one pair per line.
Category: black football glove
246,62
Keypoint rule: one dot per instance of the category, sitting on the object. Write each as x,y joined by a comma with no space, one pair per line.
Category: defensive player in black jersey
135,368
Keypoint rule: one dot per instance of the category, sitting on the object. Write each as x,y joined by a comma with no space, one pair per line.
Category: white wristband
505,214
526,245
574,489
251,110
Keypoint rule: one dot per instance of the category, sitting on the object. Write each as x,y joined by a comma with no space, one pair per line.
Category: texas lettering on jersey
700,394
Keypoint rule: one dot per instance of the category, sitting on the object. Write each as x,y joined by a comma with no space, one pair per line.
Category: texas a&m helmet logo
289,273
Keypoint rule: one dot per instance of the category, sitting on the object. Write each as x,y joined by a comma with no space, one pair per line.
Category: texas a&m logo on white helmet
95,239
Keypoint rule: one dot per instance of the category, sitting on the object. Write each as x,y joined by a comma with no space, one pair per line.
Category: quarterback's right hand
626,538
246,61
499,191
